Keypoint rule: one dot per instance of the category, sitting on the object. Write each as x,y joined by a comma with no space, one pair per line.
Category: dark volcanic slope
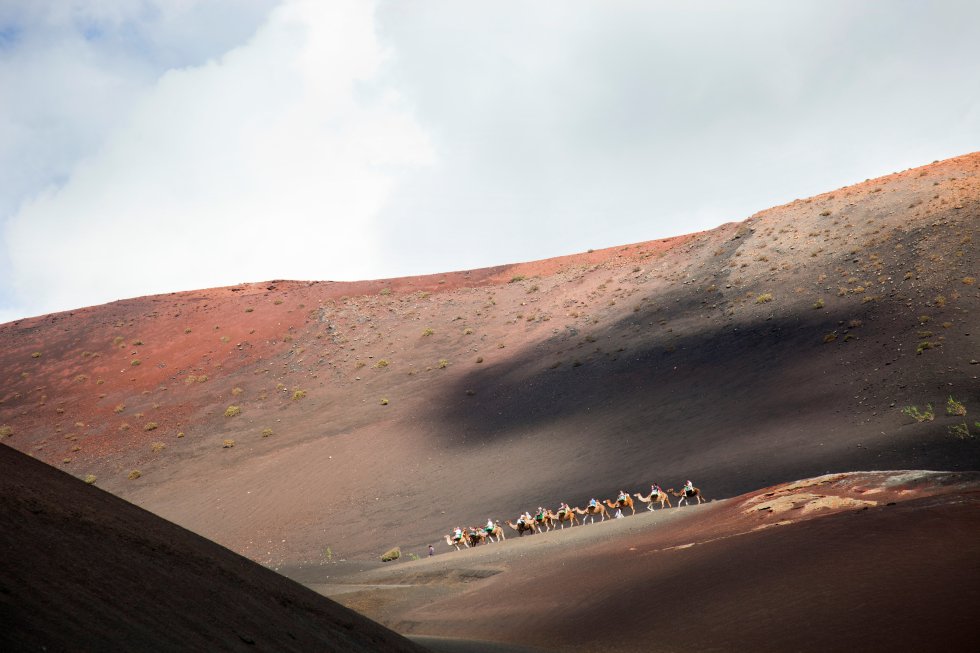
381,413
85,571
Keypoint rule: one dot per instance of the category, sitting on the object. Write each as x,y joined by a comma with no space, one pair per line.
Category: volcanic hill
302,422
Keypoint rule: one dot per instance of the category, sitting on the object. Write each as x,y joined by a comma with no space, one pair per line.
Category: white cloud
269,162
344,140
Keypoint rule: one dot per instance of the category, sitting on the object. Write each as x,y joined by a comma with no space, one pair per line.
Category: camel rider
563,508
622,497
457,534
593,502
689,488
540,514
655,489
489,527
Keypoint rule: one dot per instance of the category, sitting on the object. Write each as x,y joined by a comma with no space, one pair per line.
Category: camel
477,536
662,497
456,543
563,516
522,526
497,533
624,501
683,495
547,521
592,511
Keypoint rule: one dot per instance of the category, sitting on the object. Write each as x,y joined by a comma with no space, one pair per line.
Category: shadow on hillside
752,404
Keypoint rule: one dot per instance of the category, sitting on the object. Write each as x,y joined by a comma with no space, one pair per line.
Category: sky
153,146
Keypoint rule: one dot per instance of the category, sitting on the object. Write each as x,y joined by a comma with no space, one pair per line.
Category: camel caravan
545,519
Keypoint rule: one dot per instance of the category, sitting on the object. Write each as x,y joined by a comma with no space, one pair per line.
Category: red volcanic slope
372,414
86,571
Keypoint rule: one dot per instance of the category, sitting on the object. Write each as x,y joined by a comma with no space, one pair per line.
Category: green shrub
157,447
962,431
227,443
135,362
519,277
135,474
232,411
443,363
90,478
381,363
6,431
266,433
920,416
427,332
391,554
298,394
954,407
763,298
36,354
384,401
150,426
925,344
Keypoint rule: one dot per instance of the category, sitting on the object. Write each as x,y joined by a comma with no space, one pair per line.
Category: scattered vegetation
266,433
381,363
119,408
135,362
384,401
90,478
961,431
36,354
443,363
427,331
135,474
954,407
925,344
479,359
515,279
969,281
249,309
830,337
467,331
391,554
818,304
232,411
6,431
150,426
157,447
298,394
227,443
920,416
763,298
236,391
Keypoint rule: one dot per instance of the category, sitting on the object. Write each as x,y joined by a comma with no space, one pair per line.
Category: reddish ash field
311,426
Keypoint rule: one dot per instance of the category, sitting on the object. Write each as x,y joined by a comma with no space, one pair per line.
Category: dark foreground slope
83,570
